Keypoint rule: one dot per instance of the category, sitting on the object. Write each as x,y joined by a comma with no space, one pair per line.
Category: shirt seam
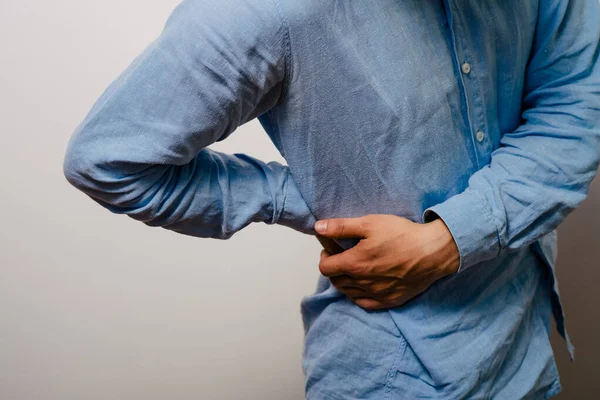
288,56
280,213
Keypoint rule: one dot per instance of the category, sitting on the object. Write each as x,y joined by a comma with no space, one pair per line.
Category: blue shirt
484,113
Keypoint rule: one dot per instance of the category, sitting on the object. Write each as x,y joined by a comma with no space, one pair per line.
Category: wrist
440,247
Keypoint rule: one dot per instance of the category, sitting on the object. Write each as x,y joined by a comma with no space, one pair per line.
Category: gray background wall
98,306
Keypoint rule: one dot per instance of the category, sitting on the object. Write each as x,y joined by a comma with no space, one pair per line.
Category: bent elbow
112,176
90,167
79,168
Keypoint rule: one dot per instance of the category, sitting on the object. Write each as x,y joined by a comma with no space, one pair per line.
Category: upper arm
214,66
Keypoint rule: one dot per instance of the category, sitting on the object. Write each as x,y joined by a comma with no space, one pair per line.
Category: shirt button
466,68
480,136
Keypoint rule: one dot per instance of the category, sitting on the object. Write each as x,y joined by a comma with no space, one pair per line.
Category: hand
395,260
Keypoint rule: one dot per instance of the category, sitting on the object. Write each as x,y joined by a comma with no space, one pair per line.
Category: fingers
381,289
363,295
371,304
329,244
344,280
353,292
364,299
345,263
375,303
343,227
349,281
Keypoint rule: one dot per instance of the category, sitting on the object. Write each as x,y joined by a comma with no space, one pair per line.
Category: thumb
341,228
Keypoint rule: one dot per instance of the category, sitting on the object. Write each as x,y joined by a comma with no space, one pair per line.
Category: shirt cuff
295,213
472,226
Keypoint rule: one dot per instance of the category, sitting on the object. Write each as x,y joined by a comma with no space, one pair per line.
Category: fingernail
321,226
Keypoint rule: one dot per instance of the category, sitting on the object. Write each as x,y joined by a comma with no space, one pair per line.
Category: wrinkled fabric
483,113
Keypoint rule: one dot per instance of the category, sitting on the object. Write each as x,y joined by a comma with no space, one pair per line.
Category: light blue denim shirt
484,113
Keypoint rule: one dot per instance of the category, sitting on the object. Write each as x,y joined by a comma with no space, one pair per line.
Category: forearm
543,169
214,195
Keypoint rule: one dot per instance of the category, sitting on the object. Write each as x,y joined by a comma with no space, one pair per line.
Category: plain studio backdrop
99,306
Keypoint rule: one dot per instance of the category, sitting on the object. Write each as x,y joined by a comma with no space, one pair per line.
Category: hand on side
394,261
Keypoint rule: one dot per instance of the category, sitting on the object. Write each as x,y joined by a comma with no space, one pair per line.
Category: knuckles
324,269
367,222
365,303
370,305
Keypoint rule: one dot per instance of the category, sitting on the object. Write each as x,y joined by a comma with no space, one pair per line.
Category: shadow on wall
578,269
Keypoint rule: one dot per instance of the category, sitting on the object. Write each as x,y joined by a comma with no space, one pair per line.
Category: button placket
468,58
458,44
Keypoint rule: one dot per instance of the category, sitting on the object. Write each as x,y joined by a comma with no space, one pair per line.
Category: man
439,143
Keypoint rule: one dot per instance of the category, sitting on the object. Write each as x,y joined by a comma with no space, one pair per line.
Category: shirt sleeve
142,148
543,170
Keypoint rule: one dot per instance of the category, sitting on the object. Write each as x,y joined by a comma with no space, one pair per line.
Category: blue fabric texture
483,113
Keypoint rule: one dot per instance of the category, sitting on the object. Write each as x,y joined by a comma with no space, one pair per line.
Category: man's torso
381,116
